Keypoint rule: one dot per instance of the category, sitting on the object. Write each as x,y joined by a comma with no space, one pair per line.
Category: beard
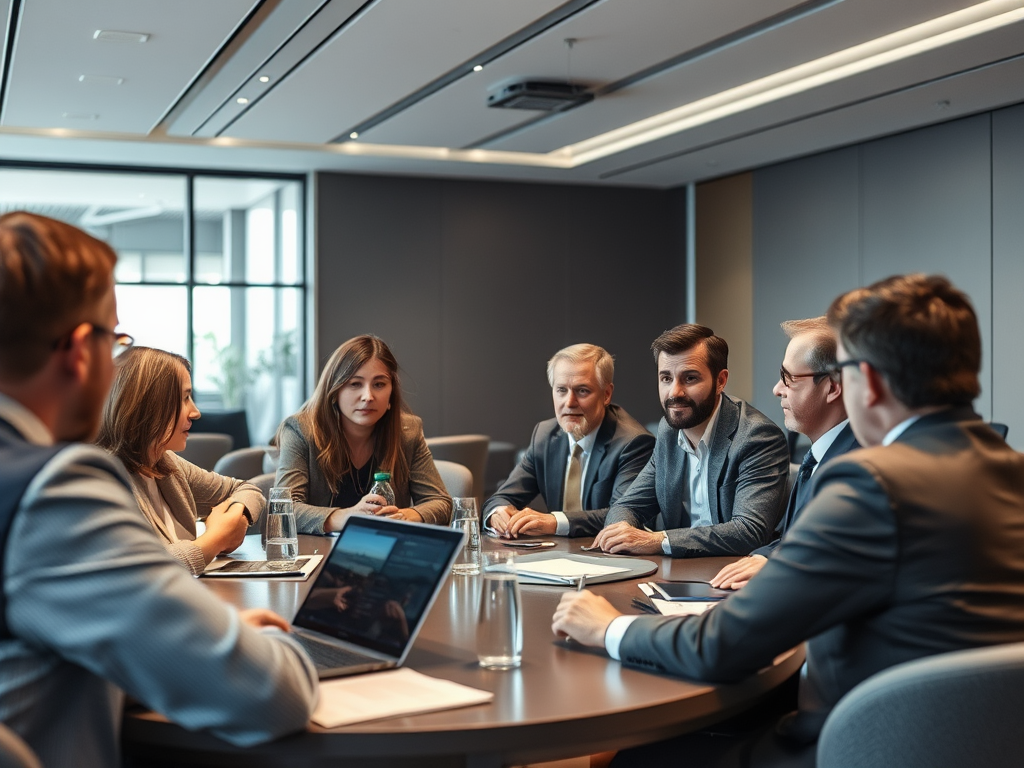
700,411
578,429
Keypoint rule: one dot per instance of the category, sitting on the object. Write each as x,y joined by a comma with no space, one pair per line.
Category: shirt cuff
561,524
614,634
666,546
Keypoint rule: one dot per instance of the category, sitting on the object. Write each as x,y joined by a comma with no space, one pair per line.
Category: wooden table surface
563,701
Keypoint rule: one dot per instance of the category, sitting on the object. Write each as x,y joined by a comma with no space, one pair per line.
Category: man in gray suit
95,607
910,547
716,484
810,391
579,462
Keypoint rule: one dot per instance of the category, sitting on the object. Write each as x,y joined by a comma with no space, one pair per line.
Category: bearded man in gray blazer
610,449
909,547
716,484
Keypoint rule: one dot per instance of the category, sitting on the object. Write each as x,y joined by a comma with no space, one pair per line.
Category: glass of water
499,624
465,518
282,536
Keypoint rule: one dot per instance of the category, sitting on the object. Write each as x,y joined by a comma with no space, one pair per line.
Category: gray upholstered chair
501,460
457,479
15,753
264,482
468,450
206,448
948,711
243,463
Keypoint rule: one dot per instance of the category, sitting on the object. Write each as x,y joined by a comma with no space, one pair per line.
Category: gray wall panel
806,251
927,207
1008,270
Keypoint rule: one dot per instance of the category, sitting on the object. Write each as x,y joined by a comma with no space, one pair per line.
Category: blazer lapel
721,443
556,455
604,434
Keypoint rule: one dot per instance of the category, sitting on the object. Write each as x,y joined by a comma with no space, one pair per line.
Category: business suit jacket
98,608
191,492
299,470
621,449
844,443
748,470
904,551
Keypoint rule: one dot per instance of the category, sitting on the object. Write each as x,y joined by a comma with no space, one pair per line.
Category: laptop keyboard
326,656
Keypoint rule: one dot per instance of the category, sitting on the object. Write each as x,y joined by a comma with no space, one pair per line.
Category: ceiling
683,90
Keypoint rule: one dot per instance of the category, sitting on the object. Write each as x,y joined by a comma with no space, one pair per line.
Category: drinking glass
499,624
465,518
282,537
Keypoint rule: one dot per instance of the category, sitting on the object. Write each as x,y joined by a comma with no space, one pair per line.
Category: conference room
481,186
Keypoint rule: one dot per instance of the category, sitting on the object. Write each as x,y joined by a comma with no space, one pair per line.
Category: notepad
672,608
566,568
391,693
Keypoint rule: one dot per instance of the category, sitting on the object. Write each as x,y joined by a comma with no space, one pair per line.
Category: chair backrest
1002,429
234,423
242,463
264,482
205,448
14,752
457,479
947,711
468,450
501,460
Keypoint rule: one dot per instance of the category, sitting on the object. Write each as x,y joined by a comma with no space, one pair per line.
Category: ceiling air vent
541,96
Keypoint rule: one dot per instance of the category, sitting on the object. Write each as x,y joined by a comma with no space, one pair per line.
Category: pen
581,583
644,606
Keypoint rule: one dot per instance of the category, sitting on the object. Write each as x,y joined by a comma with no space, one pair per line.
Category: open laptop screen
378,582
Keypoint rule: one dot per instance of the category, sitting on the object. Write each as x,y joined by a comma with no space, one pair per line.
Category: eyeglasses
839,365
122,341
789,378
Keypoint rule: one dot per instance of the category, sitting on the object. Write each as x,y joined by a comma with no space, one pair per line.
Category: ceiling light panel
392,49
614,39
831,29
155,73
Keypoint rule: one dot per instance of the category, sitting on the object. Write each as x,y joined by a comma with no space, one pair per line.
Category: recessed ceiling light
354,135
100,80
115,36
242,100
264,79
79,115
478,68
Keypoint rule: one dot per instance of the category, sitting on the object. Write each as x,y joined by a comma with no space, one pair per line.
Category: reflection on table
563,701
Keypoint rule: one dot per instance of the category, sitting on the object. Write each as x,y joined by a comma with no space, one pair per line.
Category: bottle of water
382,487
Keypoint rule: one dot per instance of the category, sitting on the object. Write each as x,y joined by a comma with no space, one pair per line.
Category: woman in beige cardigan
146,418
353,426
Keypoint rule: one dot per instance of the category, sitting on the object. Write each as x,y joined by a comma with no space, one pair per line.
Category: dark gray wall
475,284
946,199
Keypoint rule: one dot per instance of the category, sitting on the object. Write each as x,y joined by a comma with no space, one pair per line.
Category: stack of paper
395,692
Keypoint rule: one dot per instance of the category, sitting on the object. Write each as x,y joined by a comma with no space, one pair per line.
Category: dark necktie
802,487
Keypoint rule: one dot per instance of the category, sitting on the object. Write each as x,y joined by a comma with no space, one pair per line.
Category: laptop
373,594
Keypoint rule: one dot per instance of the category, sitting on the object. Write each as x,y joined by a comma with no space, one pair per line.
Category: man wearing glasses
810,391
92,606
910,547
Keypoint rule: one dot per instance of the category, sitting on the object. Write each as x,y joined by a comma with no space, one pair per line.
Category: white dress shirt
586,444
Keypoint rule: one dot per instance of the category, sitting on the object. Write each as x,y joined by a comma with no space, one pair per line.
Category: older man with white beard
579,462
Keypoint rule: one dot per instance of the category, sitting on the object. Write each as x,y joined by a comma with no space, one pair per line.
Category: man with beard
579,462
716,484
92,605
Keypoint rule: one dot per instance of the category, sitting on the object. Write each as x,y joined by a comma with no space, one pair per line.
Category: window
220,281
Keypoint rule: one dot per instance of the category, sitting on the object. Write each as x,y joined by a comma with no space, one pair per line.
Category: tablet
689,590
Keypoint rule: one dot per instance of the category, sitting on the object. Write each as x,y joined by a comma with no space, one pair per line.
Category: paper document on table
675,608
566,568
359,698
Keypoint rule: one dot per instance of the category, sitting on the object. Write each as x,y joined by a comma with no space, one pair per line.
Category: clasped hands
511,523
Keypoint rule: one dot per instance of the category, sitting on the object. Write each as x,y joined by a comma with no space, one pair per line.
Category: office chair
457,479
468,450
947,711
243,463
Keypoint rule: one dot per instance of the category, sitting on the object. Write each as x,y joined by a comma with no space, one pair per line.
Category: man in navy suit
579,462
810,391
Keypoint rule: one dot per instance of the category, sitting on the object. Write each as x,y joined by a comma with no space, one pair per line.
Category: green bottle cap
381,477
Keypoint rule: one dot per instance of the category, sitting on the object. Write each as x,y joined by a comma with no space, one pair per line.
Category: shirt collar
586,443
709,432
23,420
823,443
898,430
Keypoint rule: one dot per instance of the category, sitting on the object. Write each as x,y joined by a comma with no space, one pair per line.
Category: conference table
563,701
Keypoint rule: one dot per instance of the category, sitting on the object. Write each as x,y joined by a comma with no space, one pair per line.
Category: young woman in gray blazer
353,426
146,418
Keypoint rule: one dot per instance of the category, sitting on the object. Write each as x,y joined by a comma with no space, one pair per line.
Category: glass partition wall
209,266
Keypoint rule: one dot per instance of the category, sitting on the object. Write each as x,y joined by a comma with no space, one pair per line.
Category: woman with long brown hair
147,417
353,426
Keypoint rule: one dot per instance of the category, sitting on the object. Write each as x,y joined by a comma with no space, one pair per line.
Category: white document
312,561
566,568
680,608
394,692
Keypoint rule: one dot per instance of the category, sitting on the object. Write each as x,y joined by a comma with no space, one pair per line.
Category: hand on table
370,504
225,529
499,519
736,575
395,513
258,618
584,617
530,522
623,539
